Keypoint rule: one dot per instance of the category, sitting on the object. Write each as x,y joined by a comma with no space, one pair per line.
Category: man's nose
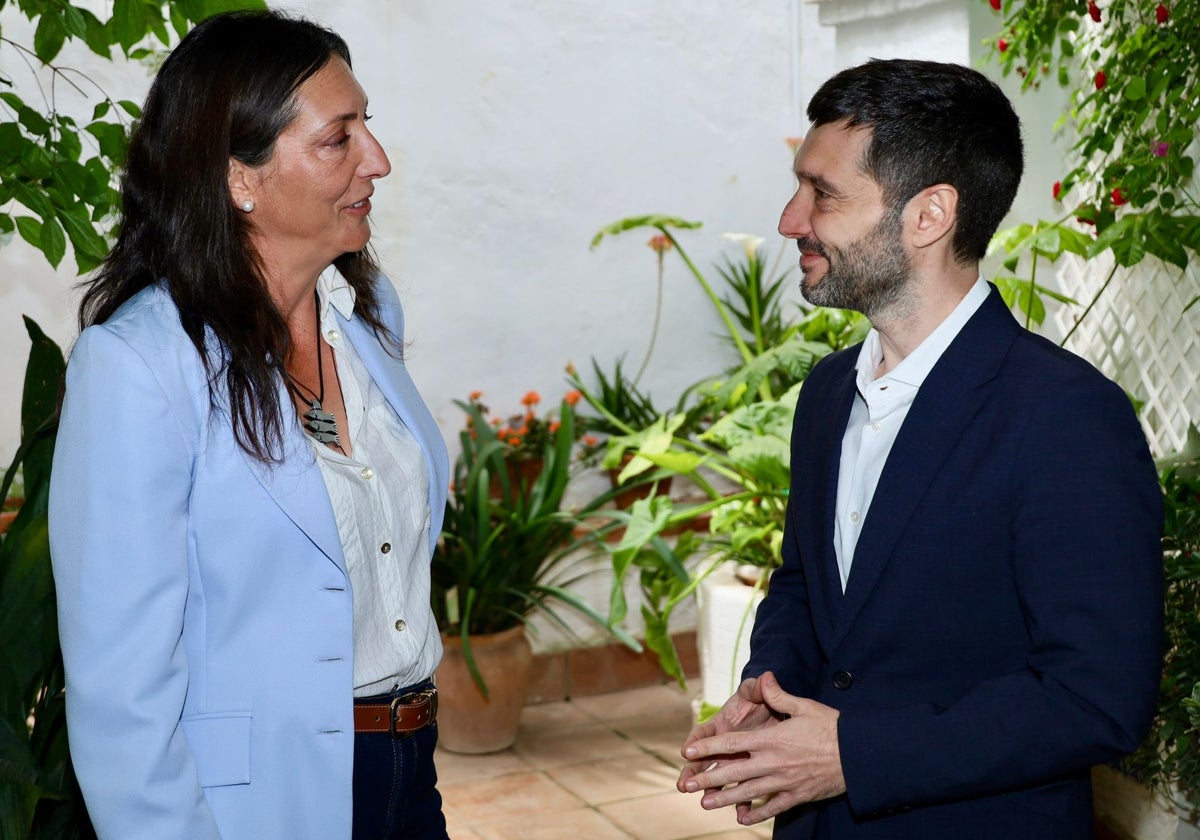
794,222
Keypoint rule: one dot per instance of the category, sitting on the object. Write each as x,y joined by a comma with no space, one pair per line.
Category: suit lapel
948,399
297,487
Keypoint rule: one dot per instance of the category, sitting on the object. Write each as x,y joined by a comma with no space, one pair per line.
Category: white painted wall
515,131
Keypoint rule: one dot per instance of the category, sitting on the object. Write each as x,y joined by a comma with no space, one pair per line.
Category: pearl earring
248,206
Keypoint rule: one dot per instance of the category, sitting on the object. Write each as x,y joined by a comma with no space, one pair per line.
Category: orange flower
659,243
794,143
475,395
572,397
531,398
496,421
514,441
554,424
590,440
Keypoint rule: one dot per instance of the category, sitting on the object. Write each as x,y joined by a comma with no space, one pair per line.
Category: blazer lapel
834,430
950,396
297,487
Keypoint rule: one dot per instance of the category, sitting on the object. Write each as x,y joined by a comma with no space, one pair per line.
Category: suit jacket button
842,680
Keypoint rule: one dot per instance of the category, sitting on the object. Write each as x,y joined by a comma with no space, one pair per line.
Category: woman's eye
341,141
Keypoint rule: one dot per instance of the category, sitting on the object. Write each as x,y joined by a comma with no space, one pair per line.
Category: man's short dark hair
932,123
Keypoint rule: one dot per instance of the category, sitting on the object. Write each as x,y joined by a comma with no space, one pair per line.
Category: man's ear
936,211
241,185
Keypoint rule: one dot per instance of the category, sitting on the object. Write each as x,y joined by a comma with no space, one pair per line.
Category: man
969,611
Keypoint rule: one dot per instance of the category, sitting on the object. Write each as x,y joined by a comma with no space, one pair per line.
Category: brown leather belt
404,716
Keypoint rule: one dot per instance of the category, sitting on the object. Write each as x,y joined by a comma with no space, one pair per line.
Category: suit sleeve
118,529
1088,567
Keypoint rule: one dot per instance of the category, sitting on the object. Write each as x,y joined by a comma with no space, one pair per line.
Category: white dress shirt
380,498
880,407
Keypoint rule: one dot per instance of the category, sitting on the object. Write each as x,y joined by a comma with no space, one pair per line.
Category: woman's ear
936,210
240,181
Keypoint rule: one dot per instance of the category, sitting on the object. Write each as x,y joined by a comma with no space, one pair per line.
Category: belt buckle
409,699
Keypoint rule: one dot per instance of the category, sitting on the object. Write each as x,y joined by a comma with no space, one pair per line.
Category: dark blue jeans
395,784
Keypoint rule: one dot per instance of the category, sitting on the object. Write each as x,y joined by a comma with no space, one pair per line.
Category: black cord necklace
320,424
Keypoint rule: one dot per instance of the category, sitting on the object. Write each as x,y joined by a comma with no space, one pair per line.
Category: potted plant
730,438
502,557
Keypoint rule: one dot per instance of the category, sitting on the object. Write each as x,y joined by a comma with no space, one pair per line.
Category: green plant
730,439
1133,69
1169,758
507,546
57,177
38,793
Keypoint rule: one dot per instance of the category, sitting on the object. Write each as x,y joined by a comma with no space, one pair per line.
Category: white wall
515,131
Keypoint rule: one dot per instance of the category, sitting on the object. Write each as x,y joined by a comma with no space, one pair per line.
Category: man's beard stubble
869,276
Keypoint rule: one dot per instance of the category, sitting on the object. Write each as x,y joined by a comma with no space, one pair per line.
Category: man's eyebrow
818,182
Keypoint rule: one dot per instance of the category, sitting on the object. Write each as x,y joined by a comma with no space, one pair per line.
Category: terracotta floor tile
546,748
582,823
547,715
669,816
662,734
650,700
506,796
617,778
453,768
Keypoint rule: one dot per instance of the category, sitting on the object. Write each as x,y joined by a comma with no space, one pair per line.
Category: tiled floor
595,768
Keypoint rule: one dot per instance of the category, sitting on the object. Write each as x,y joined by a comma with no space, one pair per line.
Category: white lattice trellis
1138,334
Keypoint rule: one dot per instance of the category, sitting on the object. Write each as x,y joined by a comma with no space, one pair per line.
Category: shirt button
385,548
842,680
400,625
854,516
875,426
332,335
367,472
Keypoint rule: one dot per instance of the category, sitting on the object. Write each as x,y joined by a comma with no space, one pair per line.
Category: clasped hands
766,751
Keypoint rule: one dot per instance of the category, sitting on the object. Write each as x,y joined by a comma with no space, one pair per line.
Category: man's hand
747,746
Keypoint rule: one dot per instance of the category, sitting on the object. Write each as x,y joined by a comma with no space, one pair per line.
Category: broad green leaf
53,241
631,222
49,36
128,22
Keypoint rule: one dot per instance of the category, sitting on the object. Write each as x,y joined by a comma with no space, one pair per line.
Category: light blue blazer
204,604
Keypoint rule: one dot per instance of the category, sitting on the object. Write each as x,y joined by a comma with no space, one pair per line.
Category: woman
247,487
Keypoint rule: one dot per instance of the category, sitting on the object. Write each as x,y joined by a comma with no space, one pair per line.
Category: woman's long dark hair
226,91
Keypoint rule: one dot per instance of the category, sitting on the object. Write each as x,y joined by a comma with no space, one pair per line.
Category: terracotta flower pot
468,722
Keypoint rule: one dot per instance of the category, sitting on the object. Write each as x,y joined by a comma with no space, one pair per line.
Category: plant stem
657,319
716,301
1095,299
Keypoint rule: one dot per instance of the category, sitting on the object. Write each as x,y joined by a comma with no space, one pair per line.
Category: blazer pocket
220,743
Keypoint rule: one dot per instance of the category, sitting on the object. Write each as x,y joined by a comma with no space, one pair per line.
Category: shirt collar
913,369
334,291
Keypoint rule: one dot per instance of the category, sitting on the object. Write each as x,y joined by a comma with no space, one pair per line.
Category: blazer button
842,680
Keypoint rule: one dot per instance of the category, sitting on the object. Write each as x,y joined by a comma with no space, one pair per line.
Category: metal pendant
321,424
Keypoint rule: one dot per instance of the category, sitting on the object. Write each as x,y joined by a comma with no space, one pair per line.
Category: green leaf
632,222
1135,89
49,36
85,238
53,241
128,22
30,230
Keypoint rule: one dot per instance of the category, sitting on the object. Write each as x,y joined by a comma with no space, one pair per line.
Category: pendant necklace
320,424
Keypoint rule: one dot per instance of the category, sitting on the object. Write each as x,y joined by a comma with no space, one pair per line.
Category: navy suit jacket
1001,628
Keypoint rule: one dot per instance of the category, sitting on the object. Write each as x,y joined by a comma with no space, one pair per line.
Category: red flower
659,243
1162,13
996,5
1094,10
572,397
1101,79
1002,45
531,398
1057,188
1082,220
1118,197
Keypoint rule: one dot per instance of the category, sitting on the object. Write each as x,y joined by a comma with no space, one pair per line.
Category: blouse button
367,472
400,625
332,335
385,548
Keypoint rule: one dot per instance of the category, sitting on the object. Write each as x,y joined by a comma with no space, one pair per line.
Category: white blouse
380,500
